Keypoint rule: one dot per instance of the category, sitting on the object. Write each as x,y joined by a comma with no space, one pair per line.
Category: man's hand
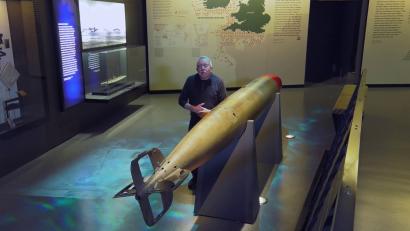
203,112
198,109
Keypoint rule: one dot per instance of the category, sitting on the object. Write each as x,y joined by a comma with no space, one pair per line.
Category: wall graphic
244,38
386,53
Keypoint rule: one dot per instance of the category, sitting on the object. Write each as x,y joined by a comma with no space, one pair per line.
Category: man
201,92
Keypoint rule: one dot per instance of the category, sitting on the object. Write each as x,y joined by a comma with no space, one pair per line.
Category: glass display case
22,82
110,72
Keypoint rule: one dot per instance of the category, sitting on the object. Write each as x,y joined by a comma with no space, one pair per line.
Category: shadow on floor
107,123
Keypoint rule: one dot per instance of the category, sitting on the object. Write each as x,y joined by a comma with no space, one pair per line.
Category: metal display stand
229,185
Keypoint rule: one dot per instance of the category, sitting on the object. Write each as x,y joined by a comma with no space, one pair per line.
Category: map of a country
212,4
250,17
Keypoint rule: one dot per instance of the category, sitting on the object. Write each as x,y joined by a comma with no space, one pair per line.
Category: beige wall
180,31
386,53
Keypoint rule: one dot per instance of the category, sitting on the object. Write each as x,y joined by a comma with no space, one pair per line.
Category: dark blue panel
69,51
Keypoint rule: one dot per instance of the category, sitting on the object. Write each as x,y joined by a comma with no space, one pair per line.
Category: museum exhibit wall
55,126
242,45
387,45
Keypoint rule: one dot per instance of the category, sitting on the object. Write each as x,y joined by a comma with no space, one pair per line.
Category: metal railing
330,203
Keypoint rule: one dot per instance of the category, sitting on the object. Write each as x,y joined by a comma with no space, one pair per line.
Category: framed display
102,23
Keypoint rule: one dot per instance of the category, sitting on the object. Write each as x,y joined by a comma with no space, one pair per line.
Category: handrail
346,201
331,199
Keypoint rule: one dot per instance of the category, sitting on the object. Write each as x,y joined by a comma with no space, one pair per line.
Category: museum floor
71,186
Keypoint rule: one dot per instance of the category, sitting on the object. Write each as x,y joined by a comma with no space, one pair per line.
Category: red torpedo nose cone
276,79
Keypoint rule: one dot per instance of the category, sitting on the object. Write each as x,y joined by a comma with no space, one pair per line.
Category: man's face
204,69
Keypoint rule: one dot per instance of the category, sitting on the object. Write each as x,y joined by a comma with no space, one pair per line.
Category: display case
22,82
110,72
111,66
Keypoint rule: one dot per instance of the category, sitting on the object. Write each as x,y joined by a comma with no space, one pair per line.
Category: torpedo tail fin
156,158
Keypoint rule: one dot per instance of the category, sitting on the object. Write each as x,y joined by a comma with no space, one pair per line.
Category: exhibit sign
102,23
386,54
69,51
243,38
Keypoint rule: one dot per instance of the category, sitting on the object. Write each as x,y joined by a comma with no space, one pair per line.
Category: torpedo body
202,142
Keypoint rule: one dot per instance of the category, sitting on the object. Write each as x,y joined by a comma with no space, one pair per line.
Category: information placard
386,54
69,51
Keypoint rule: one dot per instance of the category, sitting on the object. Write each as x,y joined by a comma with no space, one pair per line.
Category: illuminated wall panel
69,51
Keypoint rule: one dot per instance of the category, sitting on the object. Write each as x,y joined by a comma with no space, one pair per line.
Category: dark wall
136,22
332,39
25,144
